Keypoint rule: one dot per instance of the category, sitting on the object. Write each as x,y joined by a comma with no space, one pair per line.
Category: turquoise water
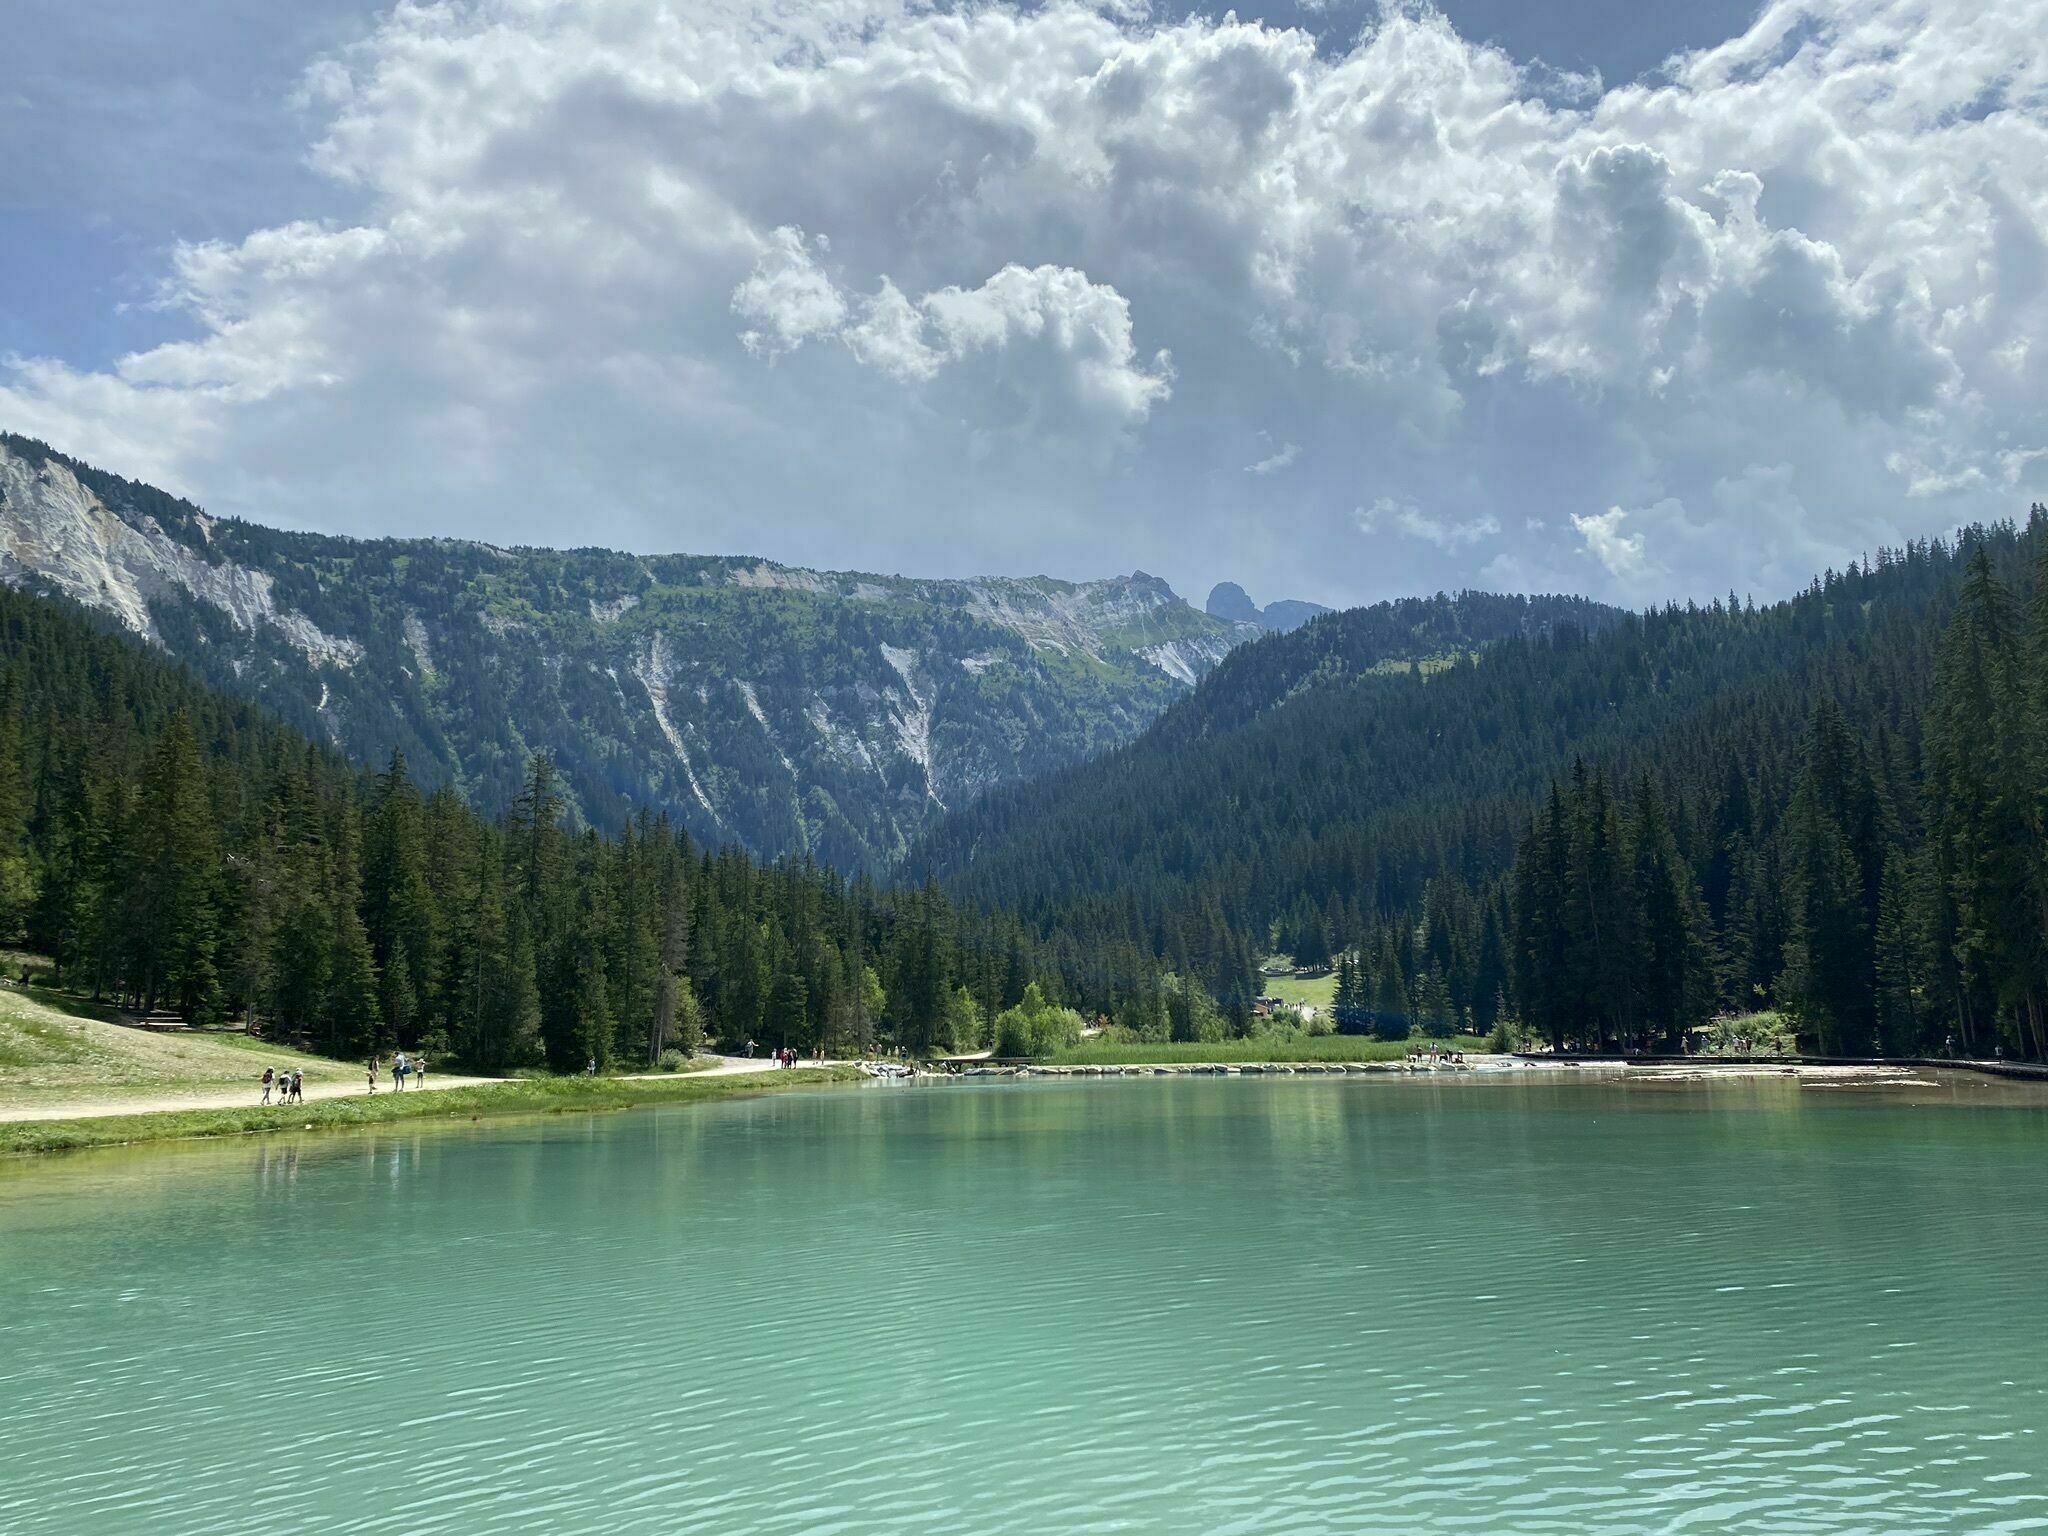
1175,1306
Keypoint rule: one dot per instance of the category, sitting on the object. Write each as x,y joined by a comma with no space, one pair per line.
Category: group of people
402,1067
1435,1056
290,1087
785,1055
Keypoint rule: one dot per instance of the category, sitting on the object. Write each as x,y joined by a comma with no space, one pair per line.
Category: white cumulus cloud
1607,541
1000,287
1280,458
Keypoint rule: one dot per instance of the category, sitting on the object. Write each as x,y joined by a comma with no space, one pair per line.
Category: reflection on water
1157,1305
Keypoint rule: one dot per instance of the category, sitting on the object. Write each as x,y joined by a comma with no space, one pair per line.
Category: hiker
591,1069
269,1077
373,1074
419,1070
298,1086
398,1071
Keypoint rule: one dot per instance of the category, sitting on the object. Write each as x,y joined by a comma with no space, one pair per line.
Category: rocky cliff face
1231,603
790,710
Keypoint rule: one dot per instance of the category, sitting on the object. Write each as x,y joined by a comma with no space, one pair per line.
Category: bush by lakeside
532,1095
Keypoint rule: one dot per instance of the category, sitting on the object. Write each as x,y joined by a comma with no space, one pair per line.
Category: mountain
1603,828
1196,835
168,845
789,710
1230,602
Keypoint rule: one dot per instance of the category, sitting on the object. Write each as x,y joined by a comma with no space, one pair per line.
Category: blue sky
1404,299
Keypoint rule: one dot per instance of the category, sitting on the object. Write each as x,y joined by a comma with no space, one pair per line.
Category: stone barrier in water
1203,1069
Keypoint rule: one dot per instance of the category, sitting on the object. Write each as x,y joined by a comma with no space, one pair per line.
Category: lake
1188,1305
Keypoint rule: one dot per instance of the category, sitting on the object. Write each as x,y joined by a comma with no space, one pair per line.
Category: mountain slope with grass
56,1049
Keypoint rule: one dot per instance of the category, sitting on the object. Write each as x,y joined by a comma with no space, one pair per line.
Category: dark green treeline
175,849
1882,876
1835,807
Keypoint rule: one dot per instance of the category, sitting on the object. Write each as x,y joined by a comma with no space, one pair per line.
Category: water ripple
1164,1305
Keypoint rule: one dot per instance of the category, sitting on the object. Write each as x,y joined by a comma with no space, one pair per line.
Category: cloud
1445,533
1622,553
1279,459
787,297
954,288
1088,325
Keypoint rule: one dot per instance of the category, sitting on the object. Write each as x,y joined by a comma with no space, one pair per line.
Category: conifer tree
351,1021
516,998
173,896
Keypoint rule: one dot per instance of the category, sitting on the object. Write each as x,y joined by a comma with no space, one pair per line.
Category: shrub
1036,1027
672,1061
1751,1034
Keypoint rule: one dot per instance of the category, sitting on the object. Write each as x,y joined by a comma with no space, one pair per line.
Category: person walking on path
269,1078
373,1074
298,1086
398,1072
419,1070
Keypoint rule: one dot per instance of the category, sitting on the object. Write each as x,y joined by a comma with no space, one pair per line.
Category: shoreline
1480,1064
2028,1080
23,1139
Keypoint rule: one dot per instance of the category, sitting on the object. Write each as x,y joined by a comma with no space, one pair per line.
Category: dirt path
145,1102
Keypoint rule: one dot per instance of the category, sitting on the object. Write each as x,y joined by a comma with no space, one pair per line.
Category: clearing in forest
52,1052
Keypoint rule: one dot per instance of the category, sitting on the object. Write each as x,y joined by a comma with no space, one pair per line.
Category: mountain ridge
829,713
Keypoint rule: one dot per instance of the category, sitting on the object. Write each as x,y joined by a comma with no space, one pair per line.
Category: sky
1340,301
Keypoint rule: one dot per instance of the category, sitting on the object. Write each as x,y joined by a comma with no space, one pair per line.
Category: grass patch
1319,990
538,1095
1427,666
53,1047
1096,1053
72,1005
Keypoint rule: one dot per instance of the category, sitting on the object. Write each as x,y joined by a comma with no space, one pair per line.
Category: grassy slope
1320,990
548,1095
52,1049
1098,1053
